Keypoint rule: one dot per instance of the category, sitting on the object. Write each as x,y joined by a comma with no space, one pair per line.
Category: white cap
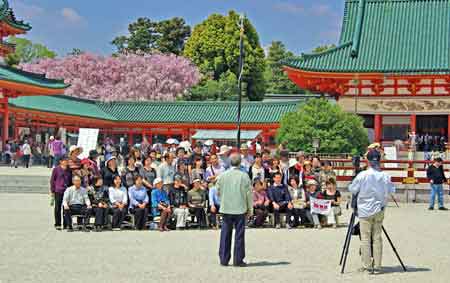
157,181
224,149
72,148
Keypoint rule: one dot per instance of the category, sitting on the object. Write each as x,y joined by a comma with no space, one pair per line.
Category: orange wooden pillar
378,127
448,128
185,135
265,137
413,123
130,138
5,132
16,132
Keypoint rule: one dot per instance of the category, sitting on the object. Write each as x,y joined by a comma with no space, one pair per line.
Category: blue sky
91,24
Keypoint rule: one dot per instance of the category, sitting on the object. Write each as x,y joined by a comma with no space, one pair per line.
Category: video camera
356,163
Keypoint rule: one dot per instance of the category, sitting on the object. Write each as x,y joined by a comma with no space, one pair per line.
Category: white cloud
72,16
290,8
26,11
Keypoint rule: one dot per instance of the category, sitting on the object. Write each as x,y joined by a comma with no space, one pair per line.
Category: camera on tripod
354,229
356,161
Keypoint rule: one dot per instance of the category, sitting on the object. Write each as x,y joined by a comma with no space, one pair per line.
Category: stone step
24,180
24,189
24,184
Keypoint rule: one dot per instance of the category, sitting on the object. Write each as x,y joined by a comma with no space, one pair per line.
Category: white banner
87,139
320,206
390,153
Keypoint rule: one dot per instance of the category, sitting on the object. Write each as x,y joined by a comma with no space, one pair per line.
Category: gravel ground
32,251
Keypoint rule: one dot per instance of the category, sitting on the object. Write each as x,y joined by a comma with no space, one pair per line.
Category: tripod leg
346,254
396,203
347,246
393,248
349,234
372,259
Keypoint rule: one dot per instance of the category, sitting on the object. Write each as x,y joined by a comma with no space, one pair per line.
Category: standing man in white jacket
372,187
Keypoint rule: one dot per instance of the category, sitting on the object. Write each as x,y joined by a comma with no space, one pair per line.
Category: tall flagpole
241,69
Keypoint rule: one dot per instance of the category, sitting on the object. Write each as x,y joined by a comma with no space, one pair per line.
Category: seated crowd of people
176,188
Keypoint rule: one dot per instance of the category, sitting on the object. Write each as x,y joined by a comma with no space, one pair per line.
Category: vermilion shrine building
14,82
391,66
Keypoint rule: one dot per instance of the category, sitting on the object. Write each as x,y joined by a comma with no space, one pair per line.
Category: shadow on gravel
399,269
267,263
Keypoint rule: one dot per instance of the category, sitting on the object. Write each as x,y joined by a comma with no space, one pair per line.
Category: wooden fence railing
403,171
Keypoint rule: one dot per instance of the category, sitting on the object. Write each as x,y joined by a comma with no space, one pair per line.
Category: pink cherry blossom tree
125,77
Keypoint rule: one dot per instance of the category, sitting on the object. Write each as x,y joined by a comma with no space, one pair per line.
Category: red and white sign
320,206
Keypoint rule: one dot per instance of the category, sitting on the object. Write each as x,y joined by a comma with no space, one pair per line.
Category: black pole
241,68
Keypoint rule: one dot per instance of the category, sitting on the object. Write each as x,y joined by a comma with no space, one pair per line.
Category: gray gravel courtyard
32,251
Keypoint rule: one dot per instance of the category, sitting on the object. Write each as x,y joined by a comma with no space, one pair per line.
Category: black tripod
348,237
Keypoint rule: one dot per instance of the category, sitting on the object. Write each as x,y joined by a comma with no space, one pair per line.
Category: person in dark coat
110,171
435,173
98,194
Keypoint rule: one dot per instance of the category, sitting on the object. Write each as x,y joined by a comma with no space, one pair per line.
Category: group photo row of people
176,188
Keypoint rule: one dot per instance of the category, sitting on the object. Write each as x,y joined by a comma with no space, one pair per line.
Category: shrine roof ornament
7,16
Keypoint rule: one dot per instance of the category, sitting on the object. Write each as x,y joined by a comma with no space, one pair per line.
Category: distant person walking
435,173
26,151
49,152
235,191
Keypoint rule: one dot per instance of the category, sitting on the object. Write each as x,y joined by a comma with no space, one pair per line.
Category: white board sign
87,139
390,153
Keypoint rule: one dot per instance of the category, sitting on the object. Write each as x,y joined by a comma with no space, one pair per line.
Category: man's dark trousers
77,209
283,209
140,217
101,214
231,221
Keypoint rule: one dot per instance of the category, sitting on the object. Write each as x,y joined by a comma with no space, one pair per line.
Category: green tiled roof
388,36
198,112
19,76
159,112
62,105
7,15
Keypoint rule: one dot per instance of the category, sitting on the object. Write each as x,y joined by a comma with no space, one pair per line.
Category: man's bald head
235,159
